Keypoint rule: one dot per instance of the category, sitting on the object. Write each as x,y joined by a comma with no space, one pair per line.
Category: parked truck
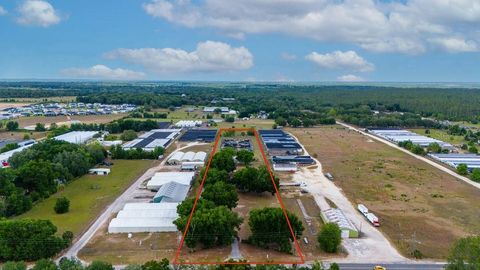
369,216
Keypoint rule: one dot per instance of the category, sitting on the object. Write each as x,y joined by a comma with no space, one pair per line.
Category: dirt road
434,164
373,247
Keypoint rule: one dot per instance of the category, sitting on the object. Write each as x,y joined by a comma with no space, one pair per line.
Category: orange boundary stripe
217,140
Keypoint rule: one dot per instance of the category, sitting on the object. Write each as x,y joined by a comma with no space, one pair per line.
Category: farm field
88,119
5,105
64,99
420,207
88,196
442,135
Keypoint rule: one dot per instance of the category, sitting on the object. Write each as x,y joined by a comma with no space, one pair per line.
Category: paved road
434,164
398,266
116,206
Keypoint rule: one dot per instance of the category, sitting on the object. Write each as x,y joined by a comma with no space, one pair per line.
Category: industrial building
162,178
188,124
145,217
77,137
152,139
180,157
285,167
335,215
471,160
279,143
171,192
202,135
6,155
302,160
99,171
400,135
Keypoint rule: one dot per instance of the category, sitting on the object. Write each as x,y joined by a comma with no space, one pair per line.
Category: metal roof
172,192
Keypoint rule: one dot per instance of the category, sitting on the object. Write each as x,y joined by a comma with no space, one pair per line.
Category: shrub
62,205
330,238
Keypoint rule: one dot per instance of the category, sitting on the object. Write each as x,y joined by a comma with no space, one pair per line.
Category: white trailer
370,216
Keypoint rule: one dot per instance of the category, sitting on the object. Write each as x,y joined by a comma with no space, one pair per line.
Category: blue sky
242,40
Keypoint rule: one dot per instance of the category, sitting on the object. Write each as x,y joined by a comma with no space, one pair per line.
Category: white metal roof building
5,156
161,178
188,123
171,192
145,217
78,137
399,135
335,215
180,157
471,160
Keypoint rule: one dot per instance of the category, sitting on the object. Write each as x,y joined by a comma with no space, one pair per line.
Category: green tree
67,236
14,266
254,180
473,149
475,175
245,156
210,227
156,265
434,148
269,226
62,205
295,122
221,193
12,125
330,237
230,119
465,254
280,121
9,147
99,265
37,176
334,266
45,264
185,208
223,160
39,127
214,175
70,264
462,169
128,135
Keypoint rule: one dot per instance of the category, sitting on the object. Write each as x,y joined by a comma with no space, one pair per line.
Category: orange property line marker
217,140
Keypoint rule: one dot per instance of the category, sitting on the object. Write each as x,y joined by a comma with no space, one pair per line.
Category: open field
18,135
419,206
5,105
442,135
64,99
256,123
88,119
88,196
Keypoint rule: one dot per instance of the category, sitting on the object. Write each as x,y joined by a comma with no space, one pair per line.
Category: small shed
99,171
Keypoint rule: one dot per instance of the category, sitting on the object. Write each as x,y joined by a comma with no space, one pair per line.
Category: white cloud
209,56
288,56
37,13
350,78
348,60
2,11
103,72
456,44
406,26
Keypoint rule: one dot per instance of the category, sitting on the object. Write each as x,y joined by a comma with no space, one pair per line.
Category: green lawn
89,195
442,135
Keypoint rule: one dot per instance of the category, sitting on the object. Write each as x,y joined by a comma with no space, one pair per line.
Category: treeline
37,171
118,152
117,126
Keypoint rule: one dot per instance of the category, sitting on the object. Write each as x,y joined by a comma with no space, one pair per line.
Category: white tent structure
149,213
78,137
176,158
188,156
150,206
200,157
161,178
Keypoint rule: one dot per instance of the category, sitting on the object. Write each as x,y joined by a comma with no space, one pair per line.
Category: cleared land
419,206
4,105
64,99
88,119
442,135
88,196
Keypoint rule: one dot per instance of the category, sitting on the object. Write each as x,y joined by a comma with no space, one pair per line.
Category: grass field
4,105
64,99
88,196
419,206
256,123
442,135
88,119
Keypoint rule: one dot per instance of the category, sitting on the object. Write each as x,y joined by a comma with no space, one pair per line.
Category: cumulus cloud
37,13
103,72
350,78
348,60
406,26
209,56
456,44
2,11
